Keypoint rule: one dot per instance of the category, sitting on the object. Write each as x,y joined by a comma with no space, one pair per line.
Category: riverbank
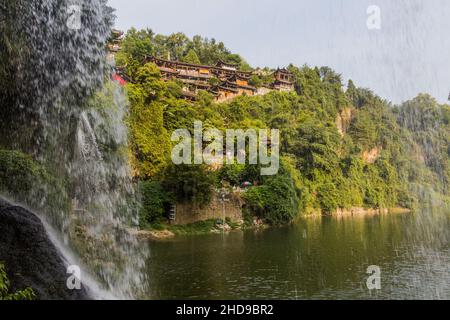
358,211
167,231
164,231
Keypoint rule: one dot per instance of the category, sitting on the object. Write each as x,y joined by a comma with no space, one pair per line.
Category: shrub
232,174
26,294
19,172
276,201
328,195
190,183
154,202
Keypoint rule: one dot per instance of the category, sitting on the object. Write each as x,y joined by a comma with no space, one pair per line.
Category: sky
406,50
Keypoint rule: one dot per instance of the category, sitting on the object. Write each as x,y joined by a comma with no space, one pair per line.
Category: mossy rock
19,172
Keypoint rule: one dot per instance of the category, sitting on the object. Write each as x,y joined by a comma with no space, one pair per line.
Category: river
315,258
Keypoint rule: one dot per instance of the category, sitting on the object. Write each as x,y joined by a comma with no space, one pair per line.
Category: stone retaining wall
189,213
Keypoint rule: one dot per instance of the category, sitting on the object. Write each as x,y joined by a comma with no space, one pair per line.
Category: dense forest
341,146
87,177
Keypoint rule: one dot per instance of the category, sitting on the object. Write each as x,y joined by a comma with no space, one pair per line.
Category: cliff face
30,257
343,120
370,156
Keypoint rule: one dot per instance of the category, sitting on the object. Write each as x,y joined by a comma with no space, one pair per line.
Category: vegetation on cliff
5,294
177,46
23,168
376,157
341,146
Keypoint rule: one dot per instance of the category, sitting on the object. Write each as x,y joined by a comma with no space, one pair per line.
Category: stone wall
189,213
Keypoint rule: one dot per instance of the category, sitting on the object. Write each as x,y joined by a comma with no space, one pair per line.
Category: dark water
317,258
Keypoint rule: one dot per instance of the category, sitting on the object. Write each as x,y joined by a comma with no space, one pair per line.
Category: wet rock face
30,257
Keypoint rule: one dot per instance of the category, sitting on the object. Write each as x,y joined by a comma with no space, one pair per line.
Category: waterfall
60,107
87,141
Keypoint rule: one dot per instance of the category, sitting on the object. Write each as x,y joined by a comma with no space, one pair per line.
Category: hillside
340,147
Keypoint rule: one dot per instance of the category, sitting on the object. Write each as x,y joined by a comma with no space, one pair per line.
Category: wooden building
231,82
223,80
226,66
284,80
115,41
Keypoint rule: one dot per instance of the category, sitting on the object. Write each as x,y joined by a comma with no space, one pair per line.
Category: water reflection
317,258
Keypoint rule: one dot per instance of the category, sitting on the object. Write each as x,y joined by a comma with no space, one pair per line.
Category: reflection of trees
317,257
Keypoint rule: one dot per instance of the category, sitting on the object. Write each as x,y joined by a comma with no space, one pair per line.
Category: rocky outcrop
344,119
152,234
31,259
372,155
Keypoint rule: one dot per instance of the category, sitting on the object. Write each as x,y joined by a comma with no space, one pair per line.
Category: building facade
284,80
223,80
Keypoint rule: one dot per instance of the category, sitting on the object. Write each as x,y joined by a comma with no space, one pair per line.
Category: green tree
190,183
150,140
276,201
255,81
326,167
154,202
191,57
135,46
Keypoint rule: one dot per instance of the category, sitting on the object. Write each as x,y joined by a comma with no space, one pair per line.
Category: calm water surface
317,258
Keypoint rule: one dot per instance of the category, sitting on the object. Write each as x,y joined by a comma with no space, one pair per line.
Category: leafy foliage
26,294
190,183
149,136
23,168
323,167
276,201
154,202
177,46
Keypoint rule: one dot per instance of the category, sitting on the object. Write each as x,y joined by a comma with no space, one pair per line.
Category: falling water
422,119
55,65
87,141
